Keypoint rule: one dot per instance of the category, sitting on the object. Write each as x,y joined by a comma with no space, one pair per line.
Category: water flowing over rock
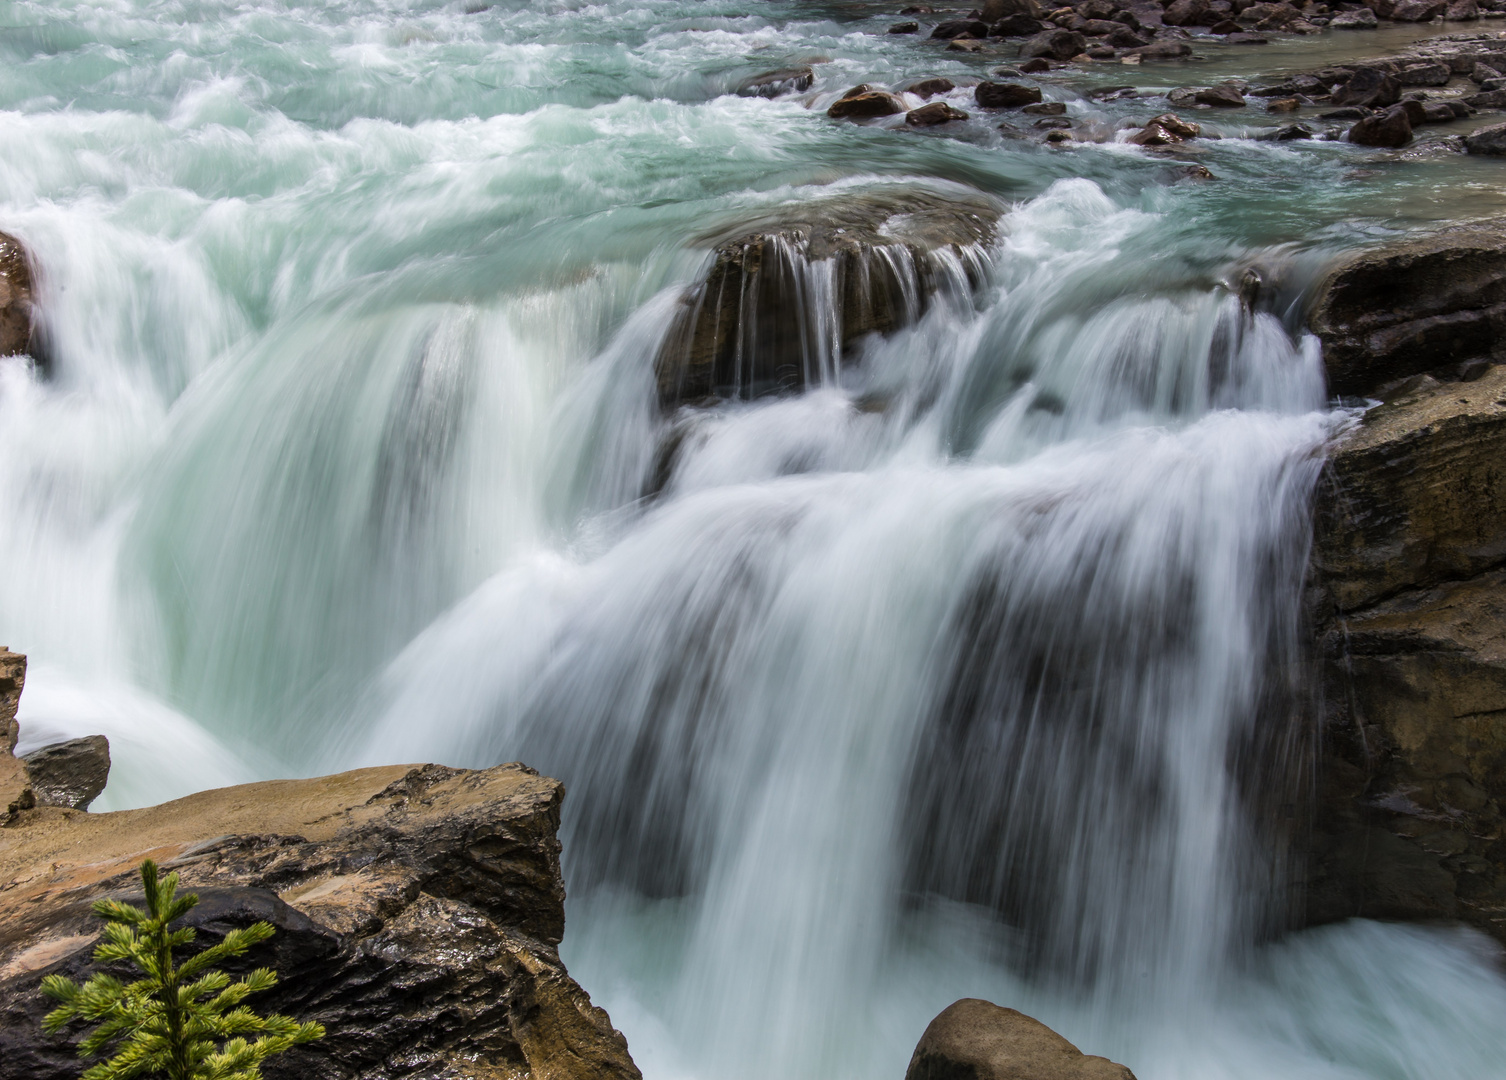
782,304
418,914
980,1040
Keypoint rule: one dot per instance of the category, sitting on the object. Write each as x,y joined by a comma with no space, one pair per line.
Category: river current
343,456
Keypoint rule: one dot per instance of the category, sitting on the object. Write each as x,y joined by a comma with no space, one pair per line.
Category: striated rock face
974,1039
1410,565
761,322
1411,308
15,785
418,914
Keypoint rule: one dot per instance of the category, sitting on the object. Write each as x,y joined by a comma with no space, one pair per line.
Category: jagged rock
1162,50
774,83
1409,556
71,773
1054,45
938,112
418,914
1363,19
958,27
1411,308
15,786
1017,26
1489,140
1125,38
978,1040
1368,88
17,296
1222,96
743,332
1184,12
1287,133
1462,11
992,95
1391,128
1490,99
866,106
1417,10
1424,74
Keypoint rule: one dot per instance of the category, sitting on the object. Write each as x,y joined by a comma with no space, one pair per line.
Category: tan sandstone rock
418,912
15,786
978,1040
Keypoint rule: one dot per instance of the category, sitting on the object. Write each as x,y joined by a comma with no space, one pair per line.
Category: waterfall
958,659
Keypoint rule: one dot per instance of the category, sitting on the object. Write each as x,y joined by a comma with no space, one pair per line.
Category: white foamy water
949,677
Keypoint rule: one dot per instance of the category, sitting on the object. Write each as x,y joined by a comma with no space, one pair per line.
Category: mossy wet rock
761,320
973,1039
1410,567
419,912
1411,308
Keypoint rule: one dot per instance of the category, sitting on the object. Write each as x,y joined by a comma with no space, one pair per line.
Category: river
342,456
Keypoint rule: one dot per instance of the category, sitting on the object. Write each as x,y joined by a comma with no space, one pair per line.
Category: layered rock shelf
418,913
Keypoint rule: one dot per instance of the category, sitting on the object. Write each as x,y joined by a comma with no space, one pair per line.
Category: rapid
961,673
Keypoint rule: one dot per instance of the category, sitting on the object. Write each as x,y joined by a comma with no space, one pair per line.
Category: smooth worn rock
1184,12
958,27
71,773
1162,50
1412,308
978,1040
966,44
1125,38
1392,128
1417,10
1462,11
938,112
418,912
1288,133
866,106
772,84
992,95
17,297
1410,558
1489,140
15,785
1283,105
928,88
1046,108
1363,19
994,10
744,333
1054,45
1222,96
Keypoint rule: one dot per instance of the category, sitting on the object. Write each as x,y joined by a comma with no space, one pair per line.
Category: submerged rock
71,773
774,83
762,320
418,911
978,1040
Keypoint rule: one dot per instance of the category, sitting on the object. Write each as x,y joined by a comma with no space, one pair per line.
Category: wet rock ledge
418,911
1409,573
788,297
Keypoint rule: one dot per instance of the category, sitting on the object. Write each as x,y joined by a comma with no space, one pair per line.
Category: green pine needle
168,1024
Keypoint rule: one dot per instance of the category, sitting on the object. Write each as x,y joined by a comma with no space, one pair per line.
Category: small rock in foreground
979,1040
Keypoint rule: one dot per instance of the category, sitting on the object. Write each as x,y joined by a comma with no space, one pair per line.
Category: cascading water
958,673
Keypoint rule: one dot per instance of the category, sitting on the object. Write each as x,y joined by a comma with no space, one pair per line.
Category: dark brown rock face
71,773
15,786
992,95
1410,565
938,112
16,297
974,1039
865,106
747,330
1392,128
1054,45
1412,308
418,914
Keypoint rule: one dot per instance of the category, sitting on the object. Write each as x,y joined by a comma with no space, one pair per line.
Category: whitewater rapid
348,453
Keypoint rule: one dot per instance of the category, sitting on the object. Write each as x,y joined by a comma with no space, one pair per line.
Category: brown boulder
927,88
978,1040
15,786
866,106
1412,307
1368,88
992,95
1222,96
745,332
17,296
938,112
418,914
994,10
1054,45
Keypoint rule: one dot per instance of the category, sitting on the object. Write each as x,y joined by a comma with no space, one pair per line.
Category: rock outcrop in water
17,296
418,913
1410,564
785,299
974,1039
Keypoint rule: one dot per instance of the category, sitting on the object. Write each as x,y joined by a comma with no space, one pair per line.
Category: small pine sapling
170,1022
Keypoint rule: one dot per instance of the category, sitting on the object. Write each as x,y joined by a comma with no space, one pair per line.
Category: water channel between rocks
950,676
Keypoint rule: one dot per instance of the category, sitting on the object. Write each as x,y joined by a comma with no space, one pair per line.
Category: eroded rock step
786,299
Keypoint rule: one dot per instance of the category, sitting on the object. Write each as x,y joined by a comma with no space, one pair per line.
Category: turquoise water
340,458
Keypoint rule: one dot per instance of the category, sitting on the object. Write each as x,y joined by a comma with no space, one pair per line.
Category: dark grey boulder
1490,140
71,773
1392,129
1054,45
